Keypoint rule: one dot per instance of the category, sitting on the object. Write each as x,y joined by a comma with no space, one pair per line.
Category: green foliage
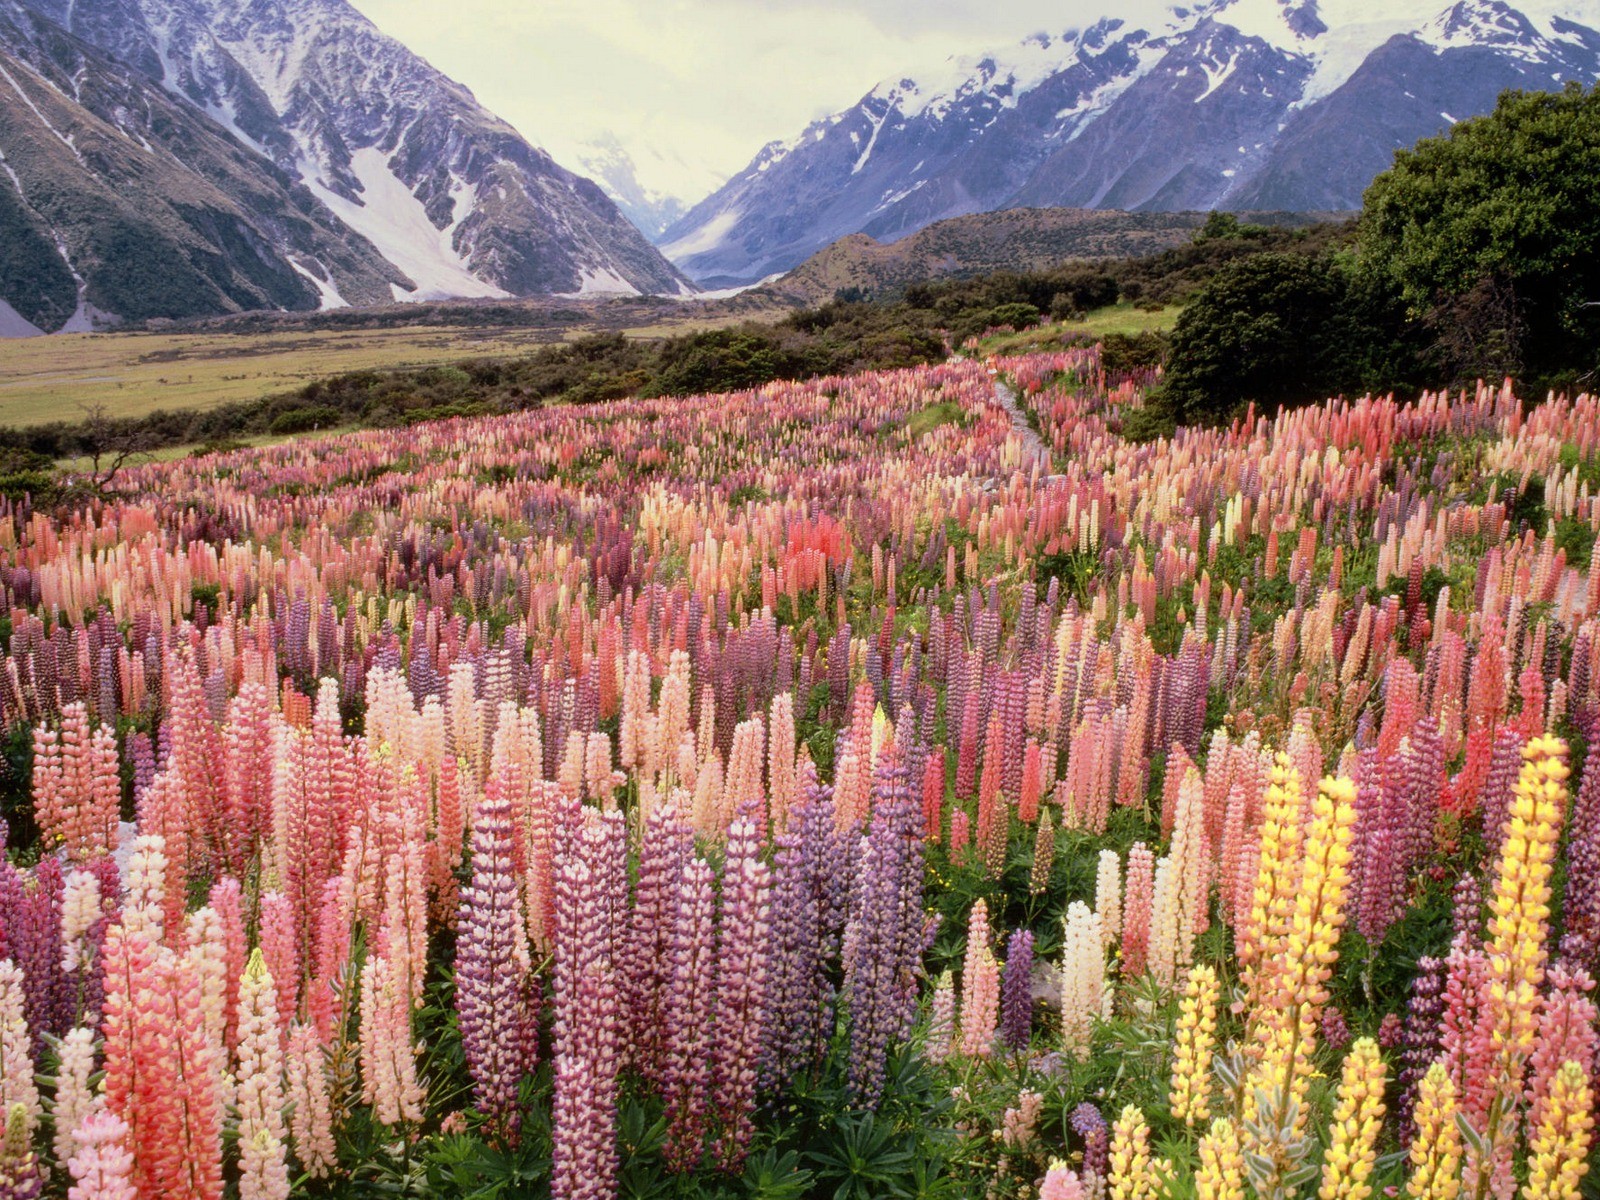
33,276
1018,316
1225,227
935,416
26,473
303,420
725,360
1577,539
1269,329
16,793
1497,219
1123,353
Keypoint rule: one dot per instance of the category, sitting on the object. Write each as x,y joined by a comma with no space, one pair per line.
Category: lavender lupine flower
1397,828
743,920
1419,1043
1580,906
1335,1029
1089,1124
1466,911
686,1017
589,905
888,930
645,957
1505,763
810,893
1424,781
496,992
31,902
1016,990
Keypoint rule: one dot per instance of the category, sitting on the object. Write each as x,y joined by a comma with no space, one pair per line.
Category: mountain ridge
1231,104
265,109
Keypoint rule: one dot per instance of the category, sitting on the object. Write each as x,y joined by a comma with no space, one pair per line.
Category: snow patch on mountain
390,217
706,237
14,325
1003,76
602,281
327,291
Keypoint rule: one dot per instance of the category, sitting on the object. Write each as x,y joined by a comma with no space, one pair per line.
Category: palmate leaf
860,1160
773,1176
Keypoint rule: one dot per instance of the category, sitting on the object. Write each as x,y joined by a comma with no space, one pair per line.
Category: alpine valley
174,158
1239,104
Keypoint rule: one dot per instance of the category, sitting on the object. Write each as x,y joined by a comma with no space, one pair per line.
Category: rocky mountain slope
118,201
176,157
1246,104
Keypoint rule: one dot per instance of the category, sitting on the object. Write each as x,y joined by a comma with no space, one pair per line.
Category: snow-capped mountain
1244,104
653,186
119,201
445,198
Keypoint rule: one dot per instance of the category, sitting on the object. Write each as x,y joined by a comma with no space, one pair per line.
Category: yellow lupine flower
1260,935
1284,1020
1559,1148
1519,911
1436,1149
1519,928
1221,1173
1131,1175
1357,1119
1190,1094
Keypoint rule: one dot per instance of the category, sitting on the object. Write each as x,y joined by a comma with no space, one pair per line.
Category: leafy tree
723,360
1493,234
1271,329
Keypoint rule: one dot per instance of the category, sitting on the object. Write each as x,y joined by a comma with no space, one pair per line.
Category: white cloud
708,82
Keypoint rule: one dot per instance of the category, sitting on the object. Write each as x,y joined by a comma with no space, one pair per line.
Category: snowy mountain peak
1289,104
451,195
1480,23
654,187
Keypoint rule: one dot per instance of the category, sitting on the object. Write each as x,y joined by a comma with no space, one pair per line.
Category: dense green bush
1270,329
303,420
1492,233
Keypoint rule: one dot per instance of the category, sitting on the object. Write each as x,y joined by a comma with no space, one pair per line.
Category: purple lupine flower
888,930
810,893
1419,1041
743,921
644,957
686,1017
141,755
1016,990
1335,1029
1580,906
496,993
1089,1124
589,904
31,904
1505,764
1466,911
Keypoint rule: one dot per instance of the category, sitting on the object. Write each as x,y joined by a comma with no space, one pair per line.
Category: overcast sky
705,82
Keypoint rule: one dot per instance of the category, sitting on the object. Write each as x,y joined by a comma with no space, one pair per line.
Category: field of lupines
844,789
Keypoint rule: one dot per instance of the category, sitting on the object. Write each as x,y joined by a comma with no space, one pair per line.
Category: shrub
1270,329
303,420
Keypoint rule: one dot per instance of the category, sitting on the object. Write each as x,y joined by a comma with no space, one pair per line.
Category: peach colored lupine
263,1170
